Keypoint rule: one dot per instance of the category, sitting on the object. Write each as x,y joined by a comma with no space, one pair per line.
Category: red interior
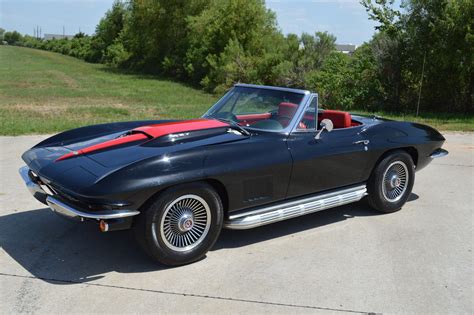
286,111
249,119
339,119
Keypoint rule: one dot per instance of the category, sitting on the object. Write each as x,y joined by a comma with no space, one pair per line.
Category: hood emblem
175,136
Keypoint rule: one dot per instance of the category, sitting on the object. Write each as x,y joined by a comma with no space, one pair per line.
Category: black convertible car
259,155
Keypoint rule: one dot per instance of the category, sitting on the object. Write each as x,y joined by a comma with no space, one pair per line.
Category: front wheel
391,182
181,224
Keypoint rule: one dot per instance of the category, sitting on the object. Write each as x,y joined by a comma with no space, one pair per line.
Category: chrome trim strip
32,186
65,210
300,113
438,153
295,208
270,87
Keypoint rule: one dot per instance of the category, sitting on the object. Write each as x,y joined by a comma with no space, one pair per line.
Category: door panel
254,171
332,161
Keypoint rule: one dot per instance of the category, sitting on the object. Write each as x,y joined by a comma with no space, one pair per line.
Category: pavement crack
457,165
203,296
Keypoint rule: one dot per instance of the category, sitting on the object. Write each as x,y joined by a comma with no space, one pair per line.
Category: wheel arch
214,183
412,151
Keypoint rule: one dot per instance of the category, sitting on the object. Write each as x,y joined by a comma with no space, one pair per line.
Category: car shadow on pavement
52,248
62,252
236,238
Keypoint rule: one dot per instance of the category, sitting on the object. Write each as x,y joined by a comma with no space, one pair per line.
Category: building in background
346,48
57,36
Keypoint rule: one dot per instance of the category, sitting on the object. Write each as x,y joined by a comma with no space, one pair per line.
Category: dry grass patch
69,81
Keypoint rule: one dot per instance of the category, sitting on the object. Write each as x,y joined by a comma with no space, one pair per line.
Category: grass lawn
44,92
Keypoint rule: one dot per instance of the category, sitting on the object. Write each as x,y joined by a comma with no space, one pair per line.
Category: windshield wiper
235,125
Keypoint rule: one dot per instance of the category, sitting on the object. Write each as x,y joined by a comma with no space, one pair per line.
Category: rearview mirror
326,124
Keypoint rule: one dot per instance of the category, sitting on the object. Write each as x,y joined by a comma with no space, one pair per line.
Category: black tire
383,193
157,234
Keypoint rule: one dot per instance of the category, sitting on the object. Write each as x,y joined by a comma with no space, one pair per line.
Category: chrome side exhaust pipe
295,208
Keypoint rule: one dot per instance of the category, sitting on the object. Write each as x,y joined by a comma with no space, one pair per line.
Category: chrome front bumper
75,214
65,210
33,187
438,153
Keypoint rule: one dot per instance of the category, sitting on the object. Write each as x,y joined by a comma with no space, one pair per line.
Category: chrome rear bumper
64,209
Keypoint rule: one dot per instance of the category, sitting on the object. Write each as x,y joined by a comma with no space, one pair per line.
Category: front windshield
257,107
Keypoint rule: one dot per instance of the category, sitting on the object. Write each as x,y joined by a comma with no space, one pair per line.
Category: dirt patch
51,100
45,109
68,80
84,110
56,57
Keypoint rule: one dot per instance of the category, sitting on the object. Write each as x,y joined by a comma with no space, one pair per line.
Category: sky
346,19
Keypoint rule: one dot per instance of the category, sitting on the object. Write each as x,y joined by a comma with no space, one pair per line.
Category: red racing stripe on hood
104,145
149,132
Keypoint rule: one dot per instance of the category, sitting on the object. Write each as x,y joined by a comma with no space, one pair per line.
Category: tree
330,81
433,37
242,24
156,34
364,82
108,30
12,37
80,35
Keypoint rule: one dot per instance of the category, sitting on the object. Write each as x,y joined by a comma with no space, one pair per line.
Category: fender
392,135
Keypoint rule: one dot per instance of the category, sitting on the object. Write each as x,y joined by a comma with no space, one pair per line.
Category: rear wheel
391,182
181,224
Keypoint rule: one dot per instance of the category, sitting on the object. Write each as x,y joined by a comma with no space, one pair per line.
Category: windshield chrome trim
276,88
299,114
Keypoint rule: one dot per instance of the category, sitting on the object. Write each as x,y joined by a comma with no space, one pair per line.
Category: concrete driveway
348,259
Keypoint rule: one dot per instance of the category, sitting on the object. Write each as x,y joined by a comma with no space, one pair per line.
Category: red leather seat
339,119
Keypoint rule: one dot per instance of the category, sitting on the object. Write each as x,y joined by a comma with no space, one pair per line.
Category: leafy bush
12,38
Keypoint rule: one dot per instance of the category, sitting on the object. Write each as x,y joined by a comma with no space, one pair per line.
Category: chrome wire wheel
395,181
185,223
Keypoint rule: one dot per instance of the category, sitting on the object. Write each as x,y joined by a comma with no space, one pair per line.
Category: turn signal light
103,226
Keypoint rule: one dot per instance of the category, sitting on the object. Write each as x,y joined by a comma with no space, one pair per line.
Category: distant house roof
346,48
56,36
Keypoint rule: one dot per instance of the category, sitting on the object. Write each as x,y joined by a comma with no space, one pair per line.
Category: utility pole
421,84
64,31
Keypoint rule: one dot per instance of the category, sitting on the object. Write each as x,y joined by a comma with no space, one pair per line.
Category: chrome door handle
364,142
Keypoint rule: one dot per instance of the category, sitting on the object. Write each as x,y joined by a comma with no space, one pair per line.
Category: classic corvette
259,155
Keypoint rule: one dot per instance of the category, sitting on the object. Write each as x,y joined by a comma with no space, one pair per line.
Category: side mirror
326,124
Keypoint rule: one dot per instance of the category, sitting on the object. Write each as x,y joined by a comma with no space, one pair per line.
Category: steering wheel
283,120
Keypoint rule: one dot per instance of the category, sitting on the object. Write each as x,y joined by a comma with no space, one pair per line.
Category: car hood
75,163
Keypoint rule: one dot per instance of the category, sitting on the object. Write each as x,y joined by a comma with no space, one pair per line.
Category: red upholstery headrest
287,109
339,119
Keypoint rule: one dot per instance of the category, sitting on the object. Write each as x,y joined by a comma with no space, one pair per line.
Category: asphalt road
348,259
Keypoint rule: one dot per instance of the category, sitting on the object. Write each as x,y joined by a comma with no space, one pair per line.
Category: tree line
420,54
